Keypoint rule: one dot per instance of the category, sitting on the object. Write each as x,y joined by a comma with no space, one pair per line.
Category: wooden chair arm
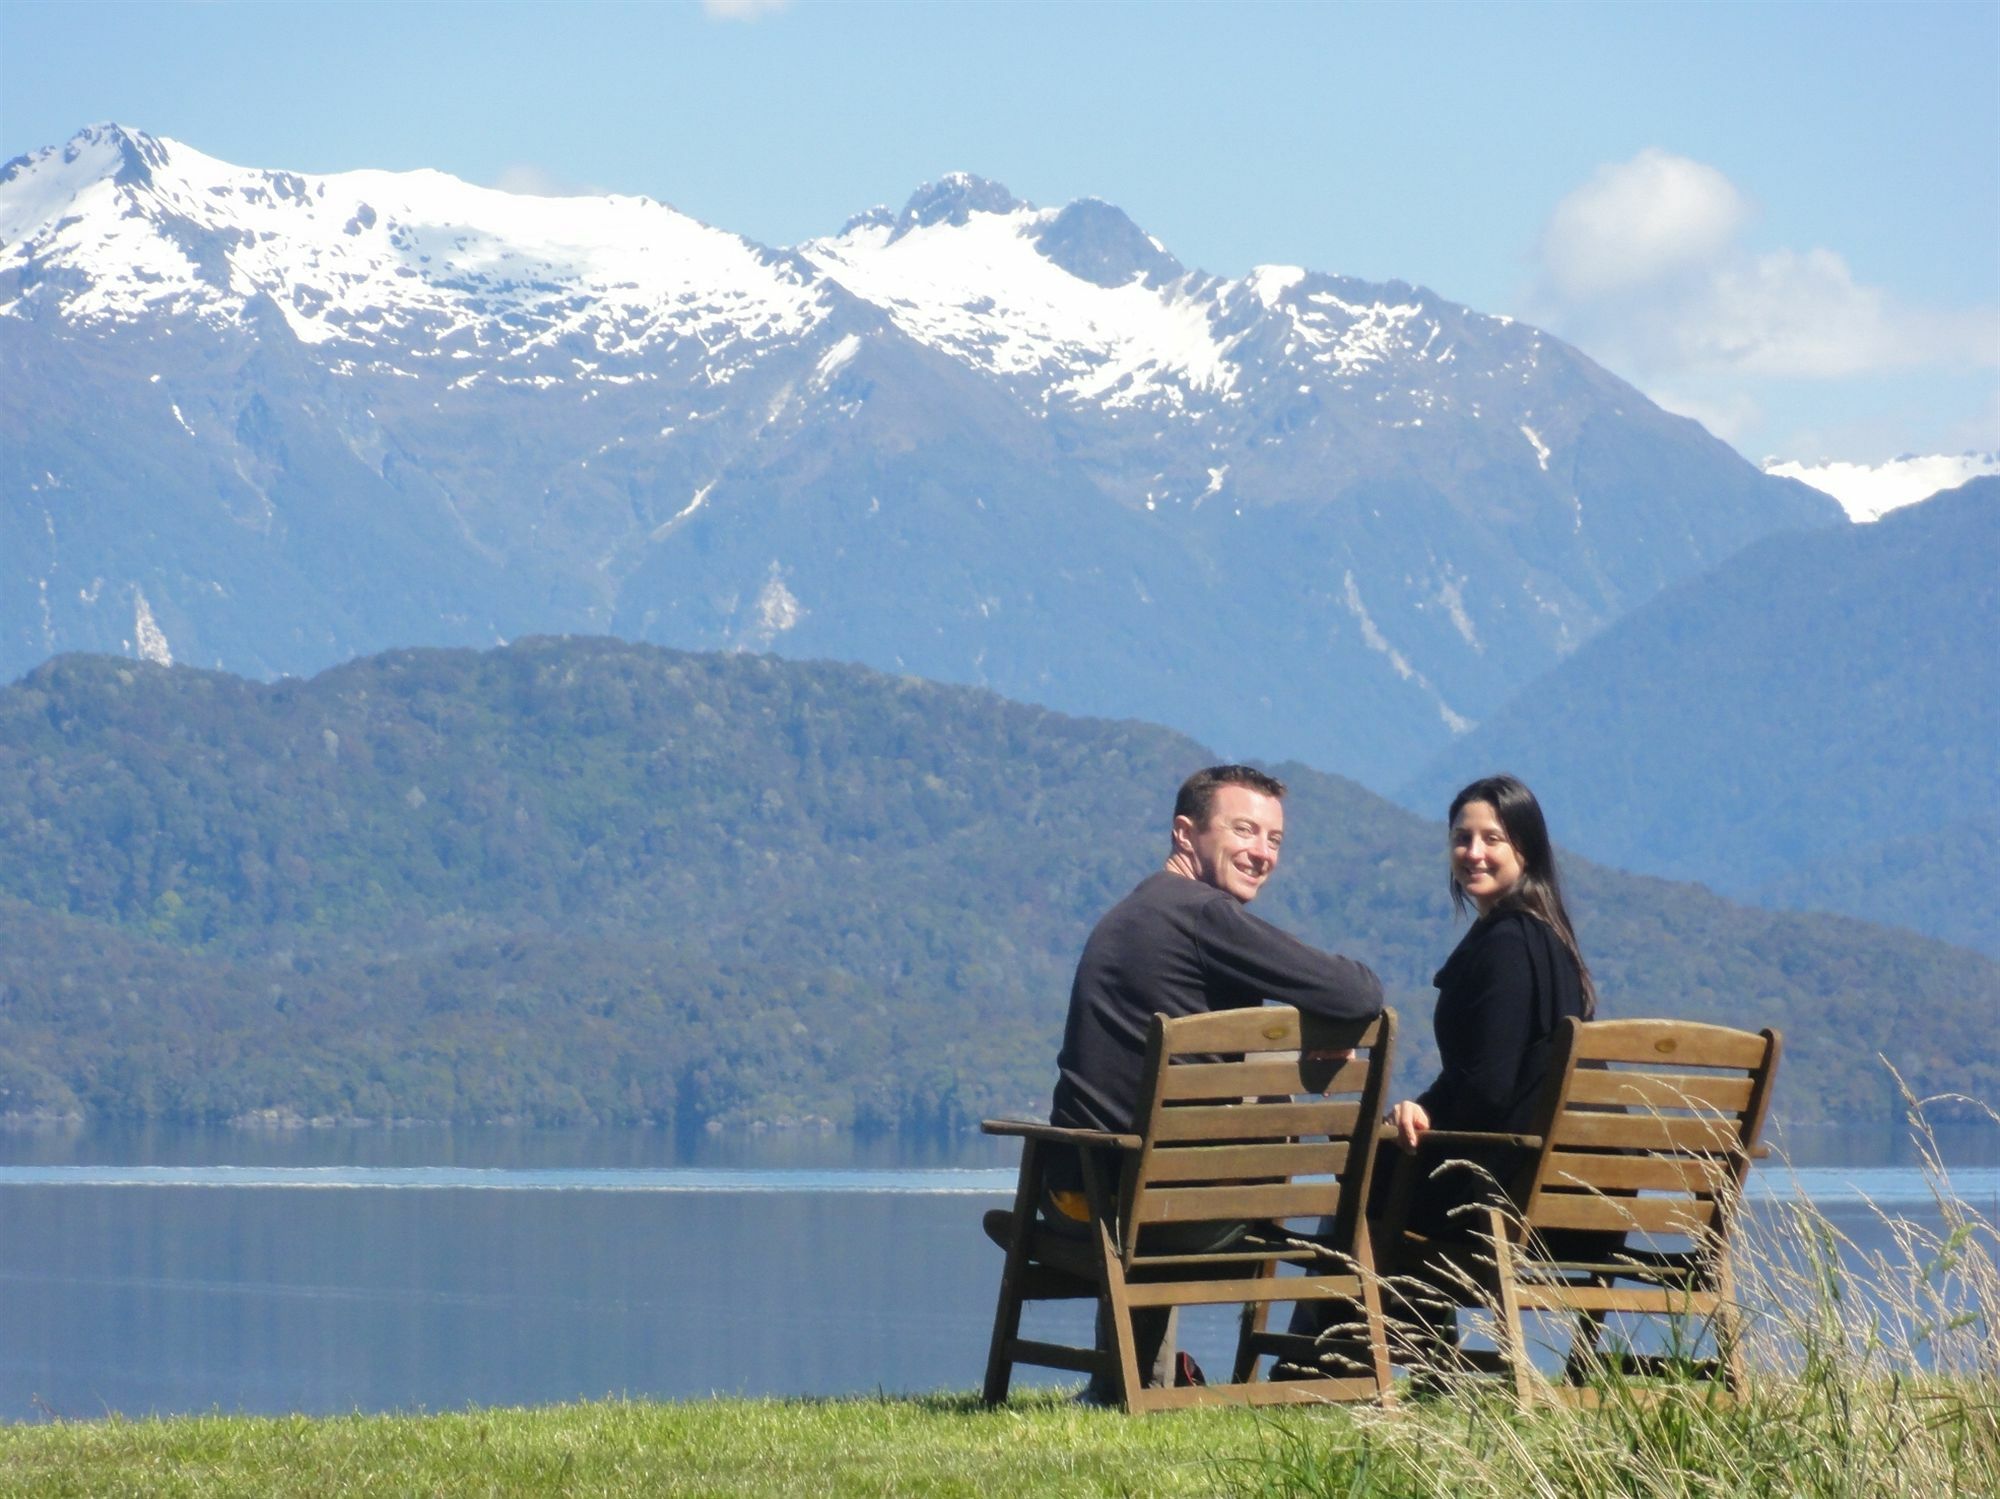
1051,1134
1463,1138
1475,1137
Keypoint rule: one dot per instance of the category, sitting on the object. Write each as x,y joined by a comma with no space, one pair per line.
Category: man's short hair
1197,793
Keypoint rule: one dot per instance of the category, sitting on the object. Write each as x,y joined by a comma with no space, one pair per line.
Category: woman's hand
1410,1121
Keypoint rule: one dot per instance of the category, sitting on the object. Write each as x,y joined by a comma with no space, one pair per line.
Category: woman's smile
1484,862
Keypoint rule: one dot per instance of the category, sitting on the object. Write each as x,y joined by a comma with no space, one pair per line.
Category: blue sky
1783,218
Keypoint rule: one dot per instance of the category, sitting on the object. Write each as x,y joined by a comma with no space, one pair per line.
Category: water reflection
482,1147
183,1298
180,1299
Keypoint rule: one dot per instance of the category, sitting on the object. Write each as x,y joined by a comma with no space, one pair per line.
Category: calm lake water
163,1271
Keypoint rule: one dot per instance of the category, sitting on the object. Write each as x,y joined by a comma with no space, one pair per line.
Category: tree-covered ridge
583,880
1815,724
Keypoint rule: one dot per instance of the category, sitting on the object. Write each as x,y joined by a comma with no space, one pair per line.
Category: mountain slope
1816,724
584,880
270,421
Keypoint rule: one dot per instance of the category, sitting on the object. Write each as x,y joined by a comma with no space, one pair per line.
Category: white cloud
1793,313
1644,267
741,10
1869,491
1639,221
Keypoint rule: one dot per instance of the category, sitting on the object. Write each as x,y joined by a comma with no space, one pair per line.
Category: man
1183,944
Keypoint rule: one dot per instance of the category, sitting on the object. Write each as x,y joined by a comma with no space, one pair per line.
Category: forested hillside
580,880
1814,725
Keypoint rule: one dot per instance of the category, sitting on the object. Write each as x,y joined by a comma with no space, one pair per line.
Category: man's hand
1410,1121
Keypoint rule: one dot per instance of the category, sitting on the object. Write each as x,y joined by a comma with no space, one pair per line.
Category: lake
175,1270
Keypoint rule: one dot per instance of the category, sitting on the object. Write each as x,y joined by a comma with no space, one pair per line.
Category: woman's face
1484,864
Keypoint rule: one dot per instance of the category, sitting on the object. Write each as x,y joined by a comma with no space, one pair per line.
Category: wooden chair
1648,1128
1249,1117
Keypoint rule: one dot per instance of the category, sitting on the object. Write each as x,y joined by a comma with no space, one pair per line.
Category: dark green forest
577,880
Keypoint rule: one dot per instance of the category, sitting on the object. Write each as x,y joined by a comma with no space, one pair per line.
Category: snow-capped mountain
268,420
121,227
1869,491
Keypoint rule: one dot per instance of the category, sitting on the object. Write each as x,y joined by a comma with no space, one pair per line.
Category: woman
1502,994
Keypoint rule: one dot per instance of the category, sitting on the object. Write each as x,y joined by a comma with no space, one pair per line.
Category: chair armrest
1465,1137
1051,1134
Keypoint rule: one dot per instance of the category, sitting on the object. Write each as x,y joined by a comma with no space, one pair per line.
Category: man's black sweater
1178,946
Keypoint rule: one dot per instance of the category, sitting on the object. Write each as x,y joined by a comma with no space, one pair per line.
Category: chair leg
1585,1336
1583,1341
1118,1311
1513,1342
1256,1317
1006,1327
1007,1311
1371,1310
1729,1328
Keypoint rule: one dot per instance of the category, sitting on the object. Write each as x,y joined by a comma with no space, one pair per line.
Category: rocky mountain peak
881,216
43,182
128,157
953,199
1097,242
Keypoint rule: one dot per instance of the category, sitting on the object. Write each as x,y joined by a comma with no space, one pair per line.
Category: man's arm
1247,961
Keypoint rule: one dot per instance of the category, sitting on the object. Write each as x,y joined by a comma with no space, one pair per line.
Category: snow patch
1215,478
659,532
1379,643
1375,639
1354,335
1451,593
836,358
778,610
1535,441
1867,492
984,294
150,639
1271,282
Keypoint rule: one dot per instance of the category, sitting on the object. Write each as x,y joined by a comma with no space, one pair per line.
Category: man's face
1238,848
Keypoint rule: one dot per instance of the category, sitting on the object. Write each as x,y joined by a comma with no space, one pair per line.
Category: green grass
1936,1440
939,1445
1905,1440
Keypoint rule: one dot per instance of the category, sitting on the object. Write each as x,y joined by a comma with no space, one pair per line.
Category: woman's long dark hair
1539,890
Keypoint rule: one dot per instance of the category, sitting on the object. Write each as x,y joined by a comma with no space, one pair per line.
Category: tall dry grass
1872,1371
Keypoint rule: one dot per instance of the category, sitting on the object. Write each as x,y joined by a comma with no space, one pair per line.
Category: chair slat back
1652,1125
1253,1114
